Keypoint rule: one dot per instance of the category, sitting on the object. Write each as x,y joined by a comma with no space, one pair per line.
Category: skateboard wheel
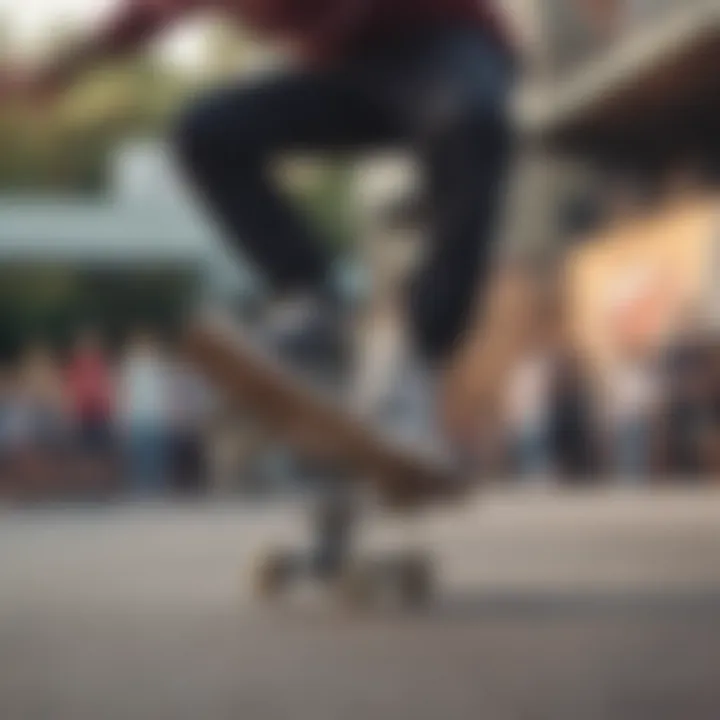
414,581
272,574
355,587
406,580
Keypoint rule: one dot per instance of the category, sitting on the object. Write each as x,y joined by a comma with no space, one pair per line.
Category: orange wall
634,284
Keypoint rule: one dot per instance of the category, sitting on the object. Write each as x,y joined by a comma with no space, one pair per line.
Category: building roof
86,232
73,230
669,64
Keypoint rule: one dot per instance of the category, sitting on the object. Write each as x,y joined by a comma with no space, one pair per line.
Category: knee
205,138
465,119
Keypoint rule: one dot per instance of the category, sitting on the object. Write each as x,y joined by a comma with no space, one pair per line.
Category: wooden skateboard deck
311,423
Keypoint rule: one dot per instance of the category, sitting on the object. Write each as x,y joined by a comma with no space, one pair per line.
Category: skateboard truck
359,581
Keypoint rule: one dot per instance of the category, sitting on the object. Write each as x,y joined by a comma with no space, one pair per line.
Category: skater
433,76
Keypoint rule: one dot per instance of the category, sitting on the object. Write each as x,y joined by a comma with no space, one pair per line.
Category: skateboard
319,427
313,423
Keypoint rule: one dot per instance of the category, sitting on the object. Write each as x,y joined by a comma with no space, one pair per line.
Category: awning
661,85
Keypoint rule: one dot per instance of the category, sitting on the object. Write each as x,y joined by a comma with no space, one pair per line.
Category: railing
575,34
635,14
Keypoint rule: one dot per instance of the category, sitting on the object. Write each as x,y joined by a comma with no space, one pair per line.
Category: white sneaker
408,413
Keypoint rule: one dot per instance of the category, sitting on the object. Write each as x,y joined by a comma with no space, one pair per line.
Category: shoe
312,338
409,415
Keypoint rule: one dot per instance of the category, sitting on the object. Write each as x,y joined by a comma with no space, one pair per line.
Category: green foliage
50,303
63,147
327,203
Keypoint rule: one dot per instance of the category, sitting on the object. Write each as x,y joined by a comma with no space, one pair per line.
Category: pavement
597,605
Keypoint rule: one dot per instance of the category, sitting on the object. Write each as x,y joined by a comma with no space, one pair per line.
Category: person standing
91,395
634,401
143,415
574,422
529,410
190,406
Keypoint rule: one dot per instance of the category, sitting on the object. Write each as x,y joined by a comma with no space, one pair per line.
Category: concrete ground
569,607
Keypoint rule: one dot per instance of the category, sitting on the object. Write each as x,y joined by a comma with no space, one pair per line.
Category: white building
141,255
146,221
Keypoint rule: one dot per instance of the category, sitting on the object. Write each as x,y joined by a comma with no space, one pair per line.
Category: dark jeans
441,93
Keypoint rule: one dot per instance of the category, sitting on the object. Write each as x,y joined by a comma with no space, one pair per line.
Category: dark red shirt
321,28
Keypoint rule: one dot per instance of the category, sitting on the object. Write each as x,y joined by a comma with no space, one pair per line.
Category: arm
133,24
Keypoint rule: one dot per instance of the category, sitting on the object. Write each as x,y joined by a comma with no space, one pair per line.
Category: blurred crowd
653,416
93,422
138,422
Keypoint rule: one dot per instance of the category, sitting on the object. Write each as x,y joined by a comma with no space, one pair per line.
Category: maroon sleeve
335,33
